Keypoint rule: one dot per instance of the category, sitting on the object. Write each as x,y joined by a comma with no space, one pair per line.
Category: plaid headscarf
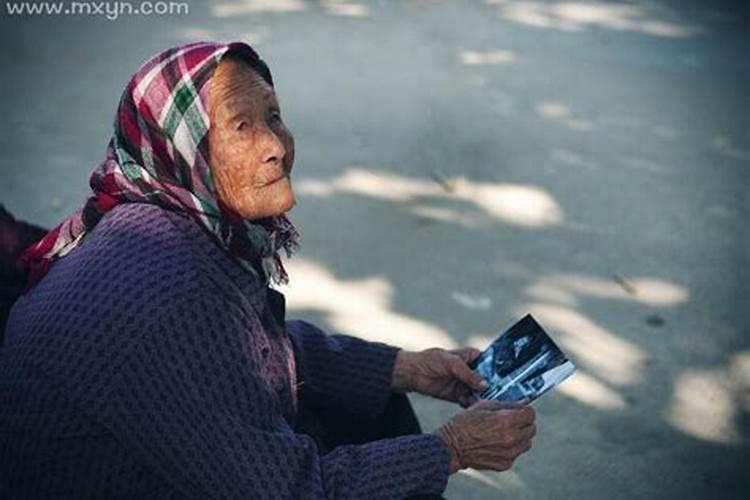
159,155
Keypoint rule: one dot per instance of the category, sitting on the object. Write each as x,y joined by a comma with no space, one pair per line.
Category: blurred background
462,163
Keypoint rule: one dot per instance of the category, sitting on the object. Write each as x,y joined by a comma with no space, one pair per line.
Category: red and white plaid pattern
158,154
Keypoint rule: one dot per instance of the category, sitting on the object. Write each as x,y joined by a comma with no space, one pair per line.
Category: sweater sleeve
186,397
340,371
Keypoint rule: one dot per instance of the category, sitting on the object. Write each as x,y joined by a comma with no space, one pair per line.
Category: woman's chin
287,206
283,196
277,201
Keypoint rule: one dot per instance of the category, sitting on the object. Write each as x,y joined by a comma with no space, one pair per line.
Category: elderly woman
153,360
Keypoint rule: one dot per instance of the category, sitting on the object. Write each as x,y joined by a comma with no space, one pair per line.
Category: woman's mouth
274,179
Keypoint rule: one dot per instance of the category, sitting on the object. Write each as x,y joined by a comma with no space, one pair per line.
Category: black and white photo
522,364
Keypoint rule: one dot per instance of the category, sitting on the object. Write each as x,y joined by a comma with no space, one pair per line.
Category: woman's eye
276,115
241,126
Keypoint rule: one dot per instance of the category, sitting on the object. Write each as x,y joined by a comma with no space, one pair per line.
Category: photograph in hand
522,363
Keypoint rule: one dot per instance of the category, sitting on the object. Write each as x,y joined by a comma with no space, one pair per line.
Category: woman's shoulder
128,273
160,242
133,249
136,223
139,258
134,237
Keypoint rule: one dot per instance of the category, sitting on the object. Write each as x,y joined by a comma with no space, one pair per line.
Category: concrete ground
461,163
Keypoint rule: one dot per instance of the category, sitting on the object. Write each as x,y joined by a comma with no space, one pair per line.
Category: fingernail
484,384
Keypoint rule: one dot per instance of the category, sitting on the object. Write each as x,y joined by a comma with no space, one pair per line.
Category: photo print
522,363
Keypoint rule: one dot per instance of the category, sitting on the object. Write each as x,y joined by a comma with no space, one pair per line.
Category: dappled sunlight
313,187
443,214
505,481
546,291
559,112
487,57
517,204
472,300
376,185
480,341
255,37
342,8
706,403
590,345
643,164
522,205
362,308
345,9
658,293
587,390
229,8
577,16
604,359
561,288
552,109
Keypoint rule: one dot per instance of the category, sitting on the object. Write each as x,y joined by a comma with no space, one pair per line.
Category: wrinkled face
251,150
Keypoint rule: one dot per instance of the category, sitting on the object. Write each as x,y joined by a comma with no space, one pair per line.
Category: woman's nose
270,147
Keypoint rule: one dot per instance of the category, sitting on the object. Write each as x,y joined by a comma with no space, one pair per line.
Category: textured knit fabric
158,154
149,364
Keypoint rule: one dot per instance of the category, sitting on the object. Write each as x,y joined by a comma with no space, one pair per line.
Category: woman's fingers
493,404
517,450
466,375
490,434
466,400
522,417
503,457
519,440
489,404
527,433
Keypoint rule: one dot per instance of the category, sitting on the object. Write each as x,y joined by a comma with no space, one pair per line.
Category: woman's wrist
445,433
402,372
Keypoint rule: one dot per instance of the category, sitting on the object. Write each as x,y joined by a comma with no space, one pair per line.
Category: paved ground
462,163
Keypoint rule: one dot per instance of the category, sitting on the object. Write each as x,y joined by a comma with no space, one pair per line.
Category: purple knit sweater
148,364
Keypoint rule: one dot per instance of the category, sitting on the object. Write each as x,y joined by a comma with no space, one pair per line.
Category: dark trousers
333,427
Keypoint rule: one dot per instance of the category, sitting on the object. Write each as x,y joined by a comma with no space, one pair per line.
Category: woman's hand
438,373
490,435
